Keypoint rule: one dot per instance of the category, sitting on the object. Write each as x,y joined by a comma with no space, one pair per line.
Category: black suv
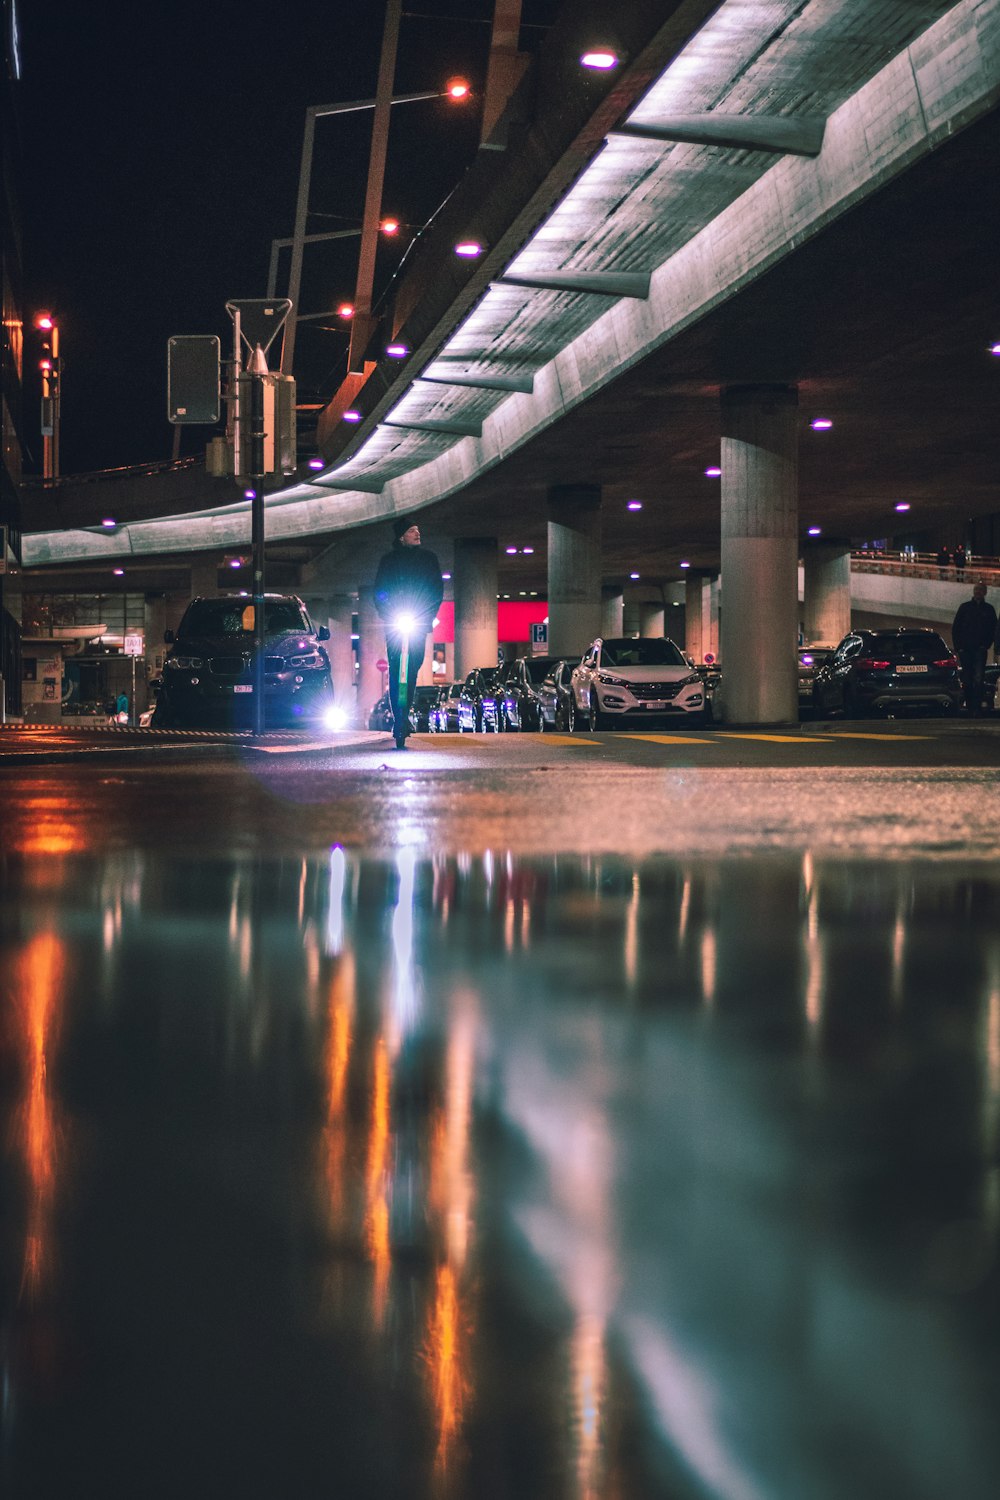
208,676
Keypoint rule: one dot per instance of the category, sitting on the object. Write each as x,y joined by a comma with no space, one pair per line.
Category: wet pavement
433,1166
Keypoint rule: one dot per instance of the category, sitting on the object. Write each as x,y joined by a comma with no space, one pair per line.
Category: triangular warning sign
261,318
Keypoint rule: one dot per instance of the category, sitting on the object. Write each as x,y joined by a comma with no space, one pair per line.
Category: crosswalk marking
776,739
665,739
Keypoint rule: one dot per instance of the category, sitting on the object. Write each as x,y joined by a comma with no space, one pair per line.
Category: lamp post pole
361,325
256,370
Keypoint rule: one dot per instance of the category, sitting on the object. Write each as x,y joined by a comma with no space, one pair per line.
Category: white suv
634,679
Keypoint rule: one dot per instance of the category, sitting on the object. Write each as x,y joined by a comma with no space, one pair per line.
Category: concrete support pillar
335,612
759,555
651,618
701,615
827,582
449,661
612,611
204,577
475,586
575,606
371,649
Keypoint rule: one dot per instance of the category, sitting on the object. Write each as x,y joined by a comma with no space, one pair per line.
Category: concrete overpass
795,202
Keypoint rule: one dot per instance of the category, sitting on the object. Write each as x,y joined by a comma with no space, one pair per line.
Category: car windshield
425,694
490,676
541,667
653,651
923,643
215,617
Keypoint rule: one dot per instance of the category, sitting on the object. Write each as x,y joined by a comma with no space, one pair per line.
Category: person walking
973,632
408,594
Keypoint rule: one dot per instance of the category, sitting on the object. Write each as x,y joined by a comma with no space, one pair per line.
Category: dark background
161,148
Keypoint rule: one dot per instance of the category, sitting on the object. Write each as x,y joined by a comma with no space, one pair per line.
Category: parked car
444,717
625,679
480,699
554,694
991,679
424,701
208,673
522,703
888,669
811,658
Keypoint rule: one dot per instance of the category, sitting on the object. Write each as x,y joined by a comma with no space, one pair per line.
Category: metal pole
234,390
298,240
257,532
56,399
361,326
133,716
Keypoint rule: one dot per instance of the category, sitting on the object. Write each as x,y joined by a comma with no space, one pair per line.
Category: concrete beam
590,283
524,384
792,135
437,428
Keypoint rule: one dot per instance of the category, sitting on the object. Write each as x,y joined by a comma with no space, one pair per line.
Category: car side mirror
168,636
323,633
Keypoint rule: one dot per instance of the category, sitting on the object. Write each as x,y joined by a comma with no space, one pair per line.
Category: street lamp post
51,386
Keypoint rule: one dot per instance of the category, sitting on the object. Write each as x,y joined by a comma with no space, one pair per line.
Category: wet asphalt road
503,1118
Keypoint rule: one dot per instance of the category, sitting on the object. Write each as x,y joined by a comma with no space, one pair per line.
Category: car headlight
687,681
309,659
606,680
184,663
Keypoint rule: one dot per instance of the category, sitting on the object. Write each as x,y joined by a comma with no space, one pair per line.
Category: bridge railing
926,565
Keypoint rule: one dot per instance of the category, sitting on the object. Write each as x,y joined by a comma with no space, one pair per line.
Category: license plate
911,669
658,704
243,687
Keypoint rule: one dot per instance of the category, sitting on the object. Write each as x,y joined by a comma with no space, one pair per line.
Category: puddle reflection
553,1177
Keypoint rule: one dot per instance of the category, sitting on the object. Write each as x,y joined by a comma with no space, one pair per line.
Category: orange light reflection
377,1215
38,985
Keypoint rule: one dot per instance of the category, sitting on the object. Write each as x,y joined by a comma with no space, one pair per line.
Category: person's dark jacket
409,581
975,626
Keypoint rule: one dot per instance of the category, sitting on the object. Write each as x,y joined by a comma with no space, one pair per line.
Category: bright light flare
346,311
335,717
352,416
685,565
714,472
635,505
109,522
600,59
468,249
405,622
814,530
389,226
633,576
821,424
44,320
902,505
457,88
315,463
397,351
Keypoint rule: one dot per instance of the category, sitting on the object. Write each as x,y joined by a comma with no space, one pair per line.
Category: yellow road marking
777,739
850,734
664,739
564,739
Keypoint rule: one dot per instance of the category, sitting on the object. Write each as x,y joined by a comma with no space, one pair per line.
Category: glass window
653,651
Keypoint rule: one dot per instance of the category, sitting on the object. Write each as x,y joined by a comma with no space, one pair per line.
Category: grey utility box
193,379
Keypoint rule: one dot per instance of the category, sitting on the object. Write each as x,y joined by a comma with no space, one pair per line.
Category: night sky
161,151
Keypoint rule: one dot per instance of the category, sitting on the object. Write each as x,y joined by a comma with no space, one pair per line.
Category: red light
868,664
457,88
44,320
947,661
389,226
345,310
45,364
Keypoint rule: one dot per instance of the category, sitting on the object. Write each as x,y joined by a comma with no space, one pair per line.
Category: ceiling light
468,249
389,226
352,416
902,504
315,463
527,551
44,320
510,551
249,494
119,572
633,575
345,310
995,348
815,530
236,562
445,575
600,59
457,88
713,473
821,424
397,351
109,522
635,505
685,564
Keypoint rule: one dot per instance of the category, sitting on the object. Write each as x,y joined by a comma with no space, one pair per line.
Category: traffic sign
133,645
193,379
381,665
539,635
261,319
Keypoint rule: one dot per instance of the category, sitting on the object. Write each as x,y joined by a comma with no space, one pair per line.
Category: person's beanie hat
400,525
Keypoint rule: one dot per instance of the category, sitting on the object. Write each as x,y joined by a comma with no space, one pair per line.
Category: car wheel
162,718
540,726
817,703
597,719
572,713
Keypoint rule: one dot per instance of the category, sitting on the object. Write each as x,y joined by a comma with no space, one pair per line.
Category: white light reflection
335,909
898,955
815,995
510,915
682,921
404,1010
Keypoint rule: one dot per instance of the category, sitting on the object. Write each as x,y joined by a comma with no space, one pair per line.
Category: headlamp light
184,663
405,622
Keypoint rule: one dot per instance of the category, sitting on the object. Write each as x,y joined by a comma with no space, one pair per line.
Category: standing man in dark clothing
408,594
972,634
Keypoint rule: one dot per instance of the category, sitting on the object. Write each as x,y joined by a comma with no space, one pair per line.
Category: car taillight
870,664
946,661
